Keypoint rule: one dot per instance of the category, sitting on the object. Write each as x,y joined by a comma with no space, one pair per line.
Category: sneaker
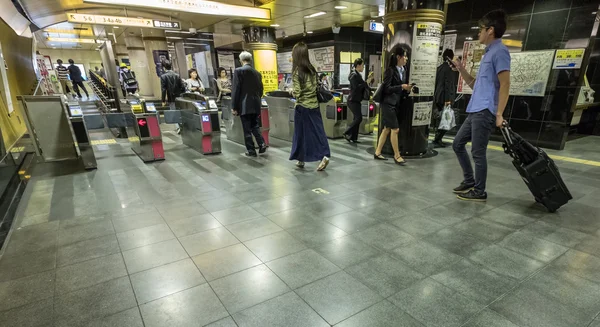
300,164
463,188
250,154
178,130
262,149
323,164
472,196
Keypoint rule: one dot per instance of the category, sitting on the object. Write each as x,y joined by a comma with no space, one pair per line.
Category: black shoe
356,141
472,196
438,144
379,157
347,137
250,154
262,149
463,188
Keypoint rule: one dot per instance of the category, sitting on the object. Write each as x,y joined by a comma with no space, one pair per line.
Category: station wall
88,58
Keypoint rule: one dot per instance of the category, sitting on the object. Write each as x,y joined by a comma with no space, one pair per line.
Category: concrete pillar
139,64
121,52
155,44
260,41
415,26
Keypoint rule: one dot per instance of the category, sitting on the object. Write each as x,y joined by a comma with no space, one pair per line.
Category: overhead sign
375,27
122,21
568,58
194,6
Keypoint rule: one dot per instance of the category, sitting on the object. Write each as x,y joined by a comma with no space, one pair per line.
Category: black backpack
128,78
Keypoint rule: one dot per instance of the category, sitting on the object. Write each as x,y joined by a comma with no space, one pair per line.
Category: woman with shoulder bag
309,142
359,91
394,89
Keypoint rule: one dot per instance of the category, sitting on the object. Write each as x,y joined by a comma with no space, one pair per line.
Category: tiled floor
225,240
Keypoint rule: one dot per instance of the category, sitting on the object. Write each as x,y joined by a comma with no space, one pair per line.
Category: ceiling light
70,40
317,14
450,31
274,25
507,34
474,27
115,26
594,12
468,38
340,7
309,32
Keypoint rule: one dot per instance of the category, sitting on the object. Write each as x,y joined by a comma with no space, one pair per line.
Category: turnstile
147,142
335,118
235,130
369,112
58,130
281,115
200,128
80,135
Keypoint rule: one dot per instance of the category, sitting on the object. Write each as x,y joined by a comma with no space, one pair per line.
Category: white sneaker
178,130
323,164
300,164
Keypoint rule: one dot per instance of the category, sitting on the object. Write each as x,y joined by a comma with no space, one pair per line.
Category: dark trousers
354,126
77,85
439,133
250,126
477,129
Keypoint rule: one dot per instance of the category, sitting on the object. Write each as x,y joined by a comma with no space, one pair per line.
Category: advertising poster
568,58
422,113
159,56
284,62
449,42
265,61
322,58
375,69
423,64
226,60
472,53
189,61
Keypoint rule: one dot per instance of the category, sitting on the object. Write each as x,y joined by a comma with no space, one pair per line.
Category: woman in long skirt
310,142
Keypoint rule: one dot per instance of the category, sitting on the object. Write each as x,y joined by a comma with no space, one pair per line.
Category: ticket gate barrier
81,135
225,109
147,142
200,128
369,111
281,115
57,133
235,130
335,118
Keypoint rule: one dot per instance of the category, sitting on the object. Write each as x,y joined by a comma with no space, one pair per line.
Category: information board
226,60
322,58
568,58
529,72
422,113
472,53
284,62
424,59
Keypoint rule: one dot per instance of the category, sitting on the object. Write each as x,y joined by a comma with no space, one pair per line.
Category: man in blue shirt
485,109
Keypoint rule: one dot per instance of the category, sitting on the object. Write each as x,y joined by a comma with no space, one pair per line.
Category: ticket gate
369,110
281,115
235,130
225,110
335,118
200,128
81,135
147,142
57,129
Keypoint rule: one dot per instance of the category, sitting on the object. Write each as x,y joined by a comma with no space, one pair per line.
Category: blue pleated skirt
310,142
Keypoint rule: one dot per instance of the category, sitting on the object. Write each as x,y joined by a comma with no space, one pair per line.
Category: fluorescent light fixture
474,27
70,40
115,26
340,7
508,34
450,31
594,12
317,14
174,37
468,38
309,32
193,6
274,25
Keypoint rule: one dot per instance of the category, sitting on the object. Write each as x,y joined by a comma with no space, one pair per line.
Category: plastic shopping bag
447,121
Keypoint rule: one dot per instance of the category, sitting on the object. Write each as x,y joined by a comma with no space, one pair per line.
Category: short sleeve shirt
487,86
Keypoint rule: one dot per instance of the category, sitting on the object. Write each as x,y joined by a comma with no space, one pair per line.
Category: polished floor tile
18,292
302,268
151,256
274,246
225,261
382,314
88,273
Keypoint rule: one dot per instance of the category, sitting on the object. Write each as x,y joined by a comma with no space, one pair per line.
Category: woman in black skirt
359,91
310,142
394,90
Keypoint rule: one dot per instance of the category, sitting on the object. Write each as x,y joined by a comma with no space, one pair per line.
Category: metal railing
104,91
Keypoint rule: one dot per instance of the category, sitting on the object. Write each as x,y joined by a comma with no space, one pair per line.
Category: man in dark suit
445,92
246,97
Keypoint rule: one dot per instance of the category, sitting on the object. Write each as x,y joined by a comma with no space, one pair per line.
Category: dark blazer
392,87
247,90
357,87
171,86
445,85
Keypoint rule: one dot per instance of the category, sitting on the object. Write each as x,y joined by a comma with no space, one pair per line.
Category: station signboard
122,21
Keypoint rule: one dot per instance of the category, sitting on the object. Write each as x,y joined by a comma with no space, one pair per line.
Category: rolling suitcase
537,170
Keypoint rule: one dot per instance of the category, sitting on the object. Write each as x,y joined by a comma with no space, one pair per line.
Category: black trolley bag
537,170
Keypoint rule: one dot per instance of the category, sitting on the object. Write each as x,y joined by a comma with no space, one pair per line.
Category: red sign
142,122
